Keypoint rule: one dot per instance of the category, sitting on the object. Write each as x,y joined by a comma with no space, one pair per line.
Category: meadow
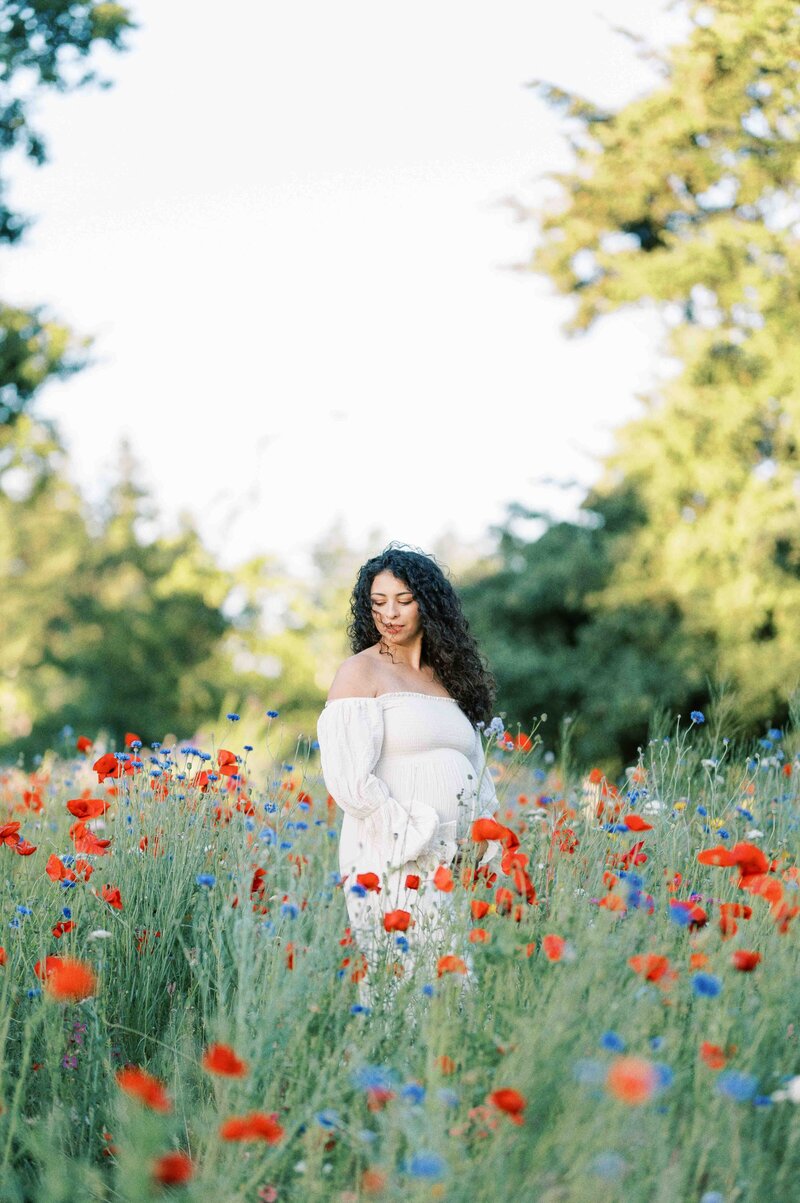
615,1015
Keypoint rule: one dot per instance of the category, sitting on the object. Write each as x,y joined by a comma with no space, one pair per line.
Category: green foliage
43,44
685,199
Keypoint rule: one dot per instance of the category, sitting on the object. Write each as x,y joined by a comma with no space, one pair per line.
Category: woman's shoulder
355,678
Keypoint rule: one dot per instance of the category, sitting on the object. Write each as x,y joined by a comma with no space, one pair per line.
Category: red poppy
636,823
86,841
227,763
131,738
651,966
9,834
112,896
632,1080
750,859
69,980
107,766
745,961
450,964
396,920
370,881
170,1169
479,908
221,1059
490,829
412,881
83,743
255,1126
504,900
523,742
87,808
443,879
713,1055
141,1085
23,848
3,956
62,927
446,1064
553,947
509,1101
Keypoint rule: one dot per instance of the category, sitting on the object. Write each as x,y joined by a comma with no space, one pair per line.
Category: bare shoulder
355,678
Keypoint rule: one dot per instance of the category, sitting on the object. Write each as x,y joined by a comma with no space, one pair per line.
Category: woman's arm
350,734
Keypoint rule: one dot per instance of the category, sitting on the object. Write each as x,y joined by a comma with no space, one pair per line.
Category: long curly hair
448,647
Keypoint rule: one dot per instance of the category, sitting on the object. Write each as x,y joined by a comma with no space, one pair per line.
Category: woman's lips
392,629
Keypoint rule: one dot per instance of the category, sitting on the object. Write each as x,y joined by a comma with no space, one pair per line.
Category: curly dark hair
447,643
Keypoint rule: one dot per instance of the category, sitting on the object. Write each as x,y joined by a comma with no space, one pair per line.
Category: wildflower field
615,1016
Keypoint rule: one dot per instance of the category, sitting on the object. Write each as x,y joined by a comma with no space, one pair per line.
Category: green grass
219,973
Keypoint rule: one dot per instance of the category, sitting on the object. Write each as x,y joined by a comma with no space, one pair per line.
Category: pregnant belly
442,778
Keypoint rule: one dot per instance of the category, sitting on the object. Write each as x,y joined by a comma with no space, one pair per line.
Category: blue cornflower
248,747
413,1092
664,1075
357,1009
612,1041
327,1118
428,990
358,890
24,910
372,1077
427,1165
737,1085
706,984
290,909
286,844
701,810
66,912
616,827
402,943
697,716
447,1096
205,879
746,814
232,718
723,833
656,1042
775,733
272,714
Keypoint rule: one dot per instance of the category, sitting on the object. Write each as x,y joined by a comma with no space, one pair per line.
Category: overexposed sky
287,227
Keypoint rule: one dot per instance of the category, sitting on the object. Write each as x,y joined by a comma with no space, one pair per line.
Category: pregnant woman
402,754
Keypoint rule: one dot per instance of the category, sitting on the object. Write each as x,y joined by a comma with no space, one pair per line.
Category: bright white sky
285,226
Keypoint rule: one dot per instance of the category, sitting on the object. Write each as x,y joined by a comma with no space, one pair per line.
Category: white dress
408,771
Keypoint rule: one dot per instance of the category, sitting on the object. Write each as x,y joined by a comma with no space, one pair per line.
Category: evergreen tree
687,199
43,44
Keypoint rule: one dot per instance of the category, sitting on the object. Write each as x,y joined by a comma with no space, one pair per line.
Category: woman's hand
470,850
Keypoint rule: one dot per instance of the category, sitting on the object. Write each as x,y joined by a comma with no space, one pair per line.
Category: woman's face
394,609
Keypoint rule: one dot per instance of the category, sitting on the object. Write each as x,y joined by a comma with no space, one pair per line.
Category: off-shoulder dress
408,771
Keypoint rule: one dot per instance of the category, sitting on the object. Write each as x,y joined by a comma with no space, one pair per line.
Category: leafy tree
687,200
43,44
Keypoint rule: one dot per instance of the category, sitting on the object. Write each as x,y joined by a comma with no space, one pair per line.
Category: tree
687,199
43,44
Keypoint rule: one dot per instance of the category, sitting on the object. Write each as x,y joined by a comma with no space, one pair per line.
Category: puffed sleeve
487,802
350,735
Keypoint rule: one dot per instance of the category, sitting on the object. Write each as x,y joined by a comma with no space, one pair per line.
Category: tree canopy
686,200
